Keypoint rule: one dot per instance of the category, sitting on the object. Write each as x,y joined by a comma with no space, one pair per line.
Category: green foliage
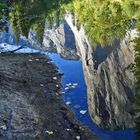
27,14
137,74
3,6
105,20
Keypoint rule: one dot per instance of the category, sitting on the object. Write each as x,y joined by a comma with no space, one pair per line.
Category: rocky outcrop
60,40
30,104
109,83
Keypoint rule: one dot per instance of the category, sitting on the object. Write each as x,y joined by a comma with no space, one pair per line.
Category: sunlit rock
110,85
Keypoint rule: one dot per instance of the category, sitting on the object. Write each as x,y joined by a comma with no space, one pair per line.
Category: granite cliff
110,84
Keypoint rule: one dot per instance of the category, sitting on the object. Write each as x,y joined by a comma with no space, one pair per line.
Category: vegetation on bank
137,73
106,20
26,15
103,21
3,14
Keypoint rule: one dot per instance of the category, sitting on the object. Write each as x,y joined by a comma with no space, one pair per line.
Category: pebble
54,78
66,88
49,132
75,84
68,103
41,85
30,60
78,137
50,62
83,111
68,129
3,127
69,84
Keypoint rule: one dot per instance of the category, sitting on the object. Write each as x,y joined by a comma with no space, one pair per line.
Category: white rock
69,84
68,103
49,132
30,60
68,129
66,88
78,137
75,84
83,111
3,127
54,78
50,62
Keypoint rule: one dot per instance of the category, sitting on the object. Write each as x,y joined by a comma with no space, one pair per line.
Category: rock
68,129
29,111
57,85
3,127
66,88
83,112
78,137
54,78
110,87
30,60
75,84
49,132
37,59
41,85
68,103
60,40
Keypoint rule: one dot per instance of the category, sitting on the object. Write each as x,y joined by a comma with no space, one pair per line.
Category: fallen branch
10,52
17,49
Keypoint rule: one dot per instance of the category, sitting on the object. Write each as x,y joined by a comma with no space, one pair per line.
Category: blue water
73,73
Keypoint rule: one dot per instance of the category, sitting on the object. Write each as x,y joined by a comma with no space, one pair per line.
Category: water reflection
73,73
105,27
77,97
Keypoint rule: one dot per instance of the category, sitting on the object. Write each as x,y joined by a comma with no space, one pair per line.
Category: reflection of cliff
110,85
60,40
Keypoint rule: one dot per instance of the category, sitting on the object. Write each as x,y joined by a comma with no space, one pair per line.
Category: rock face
109,83
60,40
30,104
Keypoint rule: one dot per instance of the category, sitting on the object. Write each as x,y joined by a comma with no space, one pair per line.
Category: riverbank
30,102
